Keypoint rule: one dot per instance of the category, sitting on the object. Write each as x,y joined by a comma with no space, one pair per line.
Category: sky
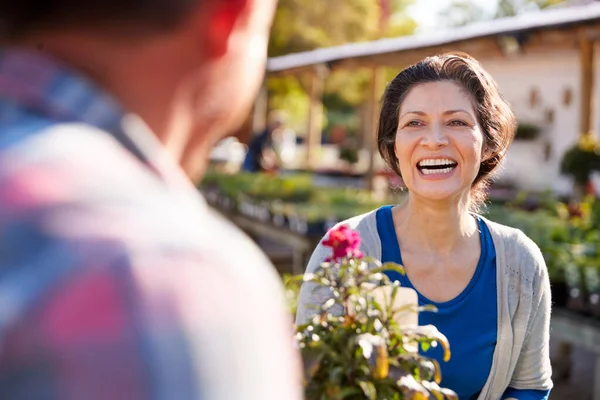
425,12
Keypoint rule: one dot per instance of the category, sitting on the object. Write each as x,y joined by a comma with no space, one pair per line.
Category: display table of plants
567,234
569,238
292,202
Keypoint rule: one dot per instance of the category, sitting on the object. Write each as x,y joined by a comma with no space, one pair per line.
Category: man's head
189,68
275,120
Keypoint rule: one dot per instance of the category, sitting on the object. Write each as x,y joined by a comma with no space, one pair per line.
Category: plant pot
261,212
212,196
560,293
309,228
225,202
577,299
279,219
330,223
294,223
246,207
316,228
592,282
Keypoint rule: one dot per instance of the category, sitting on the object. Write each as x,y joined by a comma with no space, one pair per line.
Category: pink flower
344,241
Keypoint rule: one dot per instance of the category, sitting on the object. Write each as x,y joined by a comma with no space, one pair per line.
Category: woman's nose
435,137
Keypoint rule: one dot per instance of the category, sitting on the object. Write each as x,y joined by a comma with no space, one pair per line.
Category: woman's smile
436,168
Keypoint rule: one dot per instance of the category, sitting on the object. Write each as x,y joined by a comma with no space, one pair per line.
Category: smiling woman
452,97
445,128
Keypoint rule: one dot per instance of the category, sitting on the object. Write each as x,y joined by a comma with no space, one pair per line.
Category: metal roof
546,19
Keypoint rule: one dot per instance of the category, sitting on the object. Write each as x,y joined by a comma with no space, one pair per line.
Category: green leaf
308,277
449,394
336,374
349,391
389,266
368,389
425,346
372,261
328,304
428,307
433,389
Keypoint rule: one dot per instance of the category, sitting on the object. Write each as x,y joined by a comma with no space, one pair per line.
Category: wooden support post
315,115
370,134
259,114
586,54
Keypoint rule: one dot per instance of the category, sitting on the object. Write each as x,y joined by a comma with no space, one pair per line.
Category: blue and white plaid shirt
116,280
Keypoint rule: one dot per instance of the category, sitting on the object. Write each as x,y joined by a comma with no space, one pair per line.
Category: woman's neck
434,227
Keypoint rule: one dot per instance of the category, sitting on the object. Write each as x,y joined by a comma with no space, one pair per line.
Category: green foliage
349,155
286,93
302,25
463,12
293,195
509,8
527,131
354,348
567,234
580,162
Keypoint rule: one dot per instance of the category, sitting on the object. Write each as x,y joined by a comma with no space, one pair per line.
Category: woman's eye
414,123
458,122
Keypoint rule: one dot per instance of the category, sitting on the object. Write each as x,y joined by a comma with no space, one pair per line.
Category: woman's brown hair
494,115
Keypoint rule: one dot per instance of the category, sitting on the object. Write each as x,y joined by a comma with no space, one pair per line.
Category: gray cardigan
522,358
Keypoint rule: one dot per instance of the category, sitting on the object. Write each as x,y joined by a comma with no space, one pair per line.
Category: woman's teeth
436,166
428,171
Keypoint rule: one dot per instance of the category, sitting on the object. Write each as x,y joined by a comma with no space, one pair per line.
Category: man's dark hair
497,121
21,17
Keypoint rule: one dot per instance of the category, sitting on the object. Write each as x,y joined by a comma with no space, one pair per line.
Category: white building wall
550,75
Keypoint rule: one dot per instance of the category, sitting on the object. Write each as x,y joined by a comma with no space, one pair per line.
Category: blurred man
116,280
261,155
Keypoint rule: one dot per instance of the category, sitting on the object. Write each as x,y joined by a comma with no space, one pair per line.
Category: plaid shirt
116,280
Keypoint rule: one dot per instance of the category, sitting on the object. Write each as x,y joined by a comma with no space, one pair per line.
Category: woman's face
439,142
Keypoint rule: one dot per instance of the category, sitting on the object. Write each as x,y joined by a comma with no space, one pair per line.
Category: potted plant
527,131
356,347
580,161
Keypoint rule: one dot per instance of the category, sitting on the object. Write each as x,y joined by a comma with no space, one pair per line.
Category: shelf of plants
292,202
569,239
568,235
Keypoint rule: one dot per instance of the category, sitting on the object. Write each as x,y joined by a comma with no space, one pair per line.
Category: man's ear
221,18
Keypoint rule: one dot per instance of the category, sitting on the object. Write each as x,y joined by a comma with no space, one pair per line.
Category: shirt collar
39,83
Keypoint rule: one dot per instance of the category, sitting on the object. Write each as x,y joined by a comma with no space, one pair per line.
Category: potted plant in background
580,161
363,341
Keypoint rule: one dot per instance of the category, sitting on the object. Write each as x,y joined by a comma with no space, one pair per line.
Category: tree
302,25
463,12
460,13
509,8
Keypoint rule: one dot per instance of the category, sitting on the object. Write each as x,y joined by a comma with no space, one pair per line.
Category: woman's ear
486,153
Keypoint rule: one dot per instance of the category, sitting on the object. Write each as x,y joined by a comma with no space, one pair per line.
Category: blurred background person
262,155
118,282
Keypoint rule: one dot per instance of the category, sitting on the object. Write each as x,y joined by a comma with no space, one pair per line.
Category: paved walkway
580,384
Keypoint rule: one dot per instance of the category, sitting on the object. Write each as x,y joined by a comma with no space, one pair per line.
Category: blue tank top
469,321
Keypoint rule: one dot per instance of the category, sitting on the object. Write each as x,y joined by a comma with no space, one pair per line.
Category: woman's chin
442,194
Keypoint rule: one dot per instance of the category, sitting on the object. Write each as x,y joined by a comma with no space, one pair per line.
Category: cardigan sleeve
313,296
533,369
